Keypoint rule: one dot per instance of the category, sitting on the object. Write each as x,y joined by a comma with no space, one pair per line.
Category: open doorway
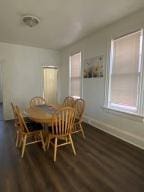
50,84
1,93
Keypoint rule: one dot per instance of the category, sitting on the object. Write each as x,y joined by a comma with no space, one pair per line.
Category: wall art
93,67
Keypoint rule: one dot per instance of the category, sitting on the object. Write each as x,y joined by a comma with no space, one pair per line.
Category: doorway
50,84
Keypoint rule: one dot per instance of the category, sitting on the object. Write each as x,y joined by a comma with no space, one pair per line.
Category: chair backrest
63,121
21,120
37,101
69,102
14,110
79,108
16,123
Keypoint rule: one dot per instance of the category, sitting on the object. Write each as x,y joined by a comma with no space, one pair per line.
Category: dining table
41,113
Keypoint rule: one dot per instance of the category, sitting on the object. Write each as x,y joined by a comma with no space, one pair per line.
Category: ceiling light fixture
30,20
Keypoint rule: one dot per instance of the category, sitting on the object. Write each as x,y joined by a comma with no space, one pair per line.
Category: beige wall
127,128
22,73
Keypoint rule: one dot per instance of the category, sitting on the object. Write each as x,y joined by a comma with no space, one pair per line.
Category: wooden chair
16,123
28,135
37,101
62,123
79,109
69,102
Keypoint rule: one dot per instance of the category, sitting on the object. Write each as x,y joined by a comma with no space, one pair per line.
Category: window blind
125,71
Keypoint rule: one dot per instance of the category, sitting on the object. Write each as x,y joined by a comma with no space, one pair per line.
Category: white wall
94,89
23,74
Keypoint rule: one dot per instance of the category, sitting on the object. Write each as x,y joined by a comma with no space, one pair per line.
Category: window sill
125,114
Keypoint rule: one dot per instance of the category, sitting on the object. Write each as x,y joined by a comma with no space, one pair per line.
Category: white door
50,85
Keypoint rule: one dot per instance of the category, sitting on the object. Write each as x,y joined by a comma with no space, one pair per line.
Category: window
125,74
75,75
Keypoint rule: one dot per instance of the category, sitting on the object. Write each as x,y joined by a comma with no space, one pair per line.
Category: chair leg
48,142
42,140
20,140
66,139
17,138
71,141
82,130
55,149
24,145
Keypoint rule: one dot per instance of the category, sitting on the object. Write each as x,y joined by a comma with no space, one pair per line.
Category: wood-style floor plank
103,164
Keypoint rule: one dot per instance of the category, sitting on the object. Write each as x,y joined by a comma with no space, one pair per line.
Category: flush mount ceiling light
30,20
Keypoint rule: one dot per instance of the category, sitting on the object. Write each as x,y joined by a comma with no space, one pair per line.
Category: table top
41,113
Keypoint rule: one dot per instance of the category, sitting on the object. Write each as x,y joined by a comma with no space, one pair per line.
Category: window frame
80,77
121,108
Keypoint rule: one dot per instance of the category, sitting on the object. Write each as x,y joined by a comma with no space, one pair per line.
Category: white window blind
75,75
125,72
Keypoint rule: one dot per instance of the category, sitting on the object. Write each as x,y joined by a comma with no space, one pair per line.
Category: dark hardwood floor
103,164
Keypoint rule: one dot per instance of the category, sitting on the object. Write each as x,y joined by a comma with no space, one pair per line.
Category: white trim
81,77
124,108
107,69
50,66
140,76
110,71
125,114
69,91
141,86
121,134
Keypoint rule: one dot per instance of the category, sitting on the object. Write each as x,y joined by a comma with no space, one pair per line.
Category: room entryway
50,84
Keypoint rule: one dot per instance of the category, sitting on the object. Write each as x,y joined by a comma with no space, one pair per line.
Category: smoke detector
30,20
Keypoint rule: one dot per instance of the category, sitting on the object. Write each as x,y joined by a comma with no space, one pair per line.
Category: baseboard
123,135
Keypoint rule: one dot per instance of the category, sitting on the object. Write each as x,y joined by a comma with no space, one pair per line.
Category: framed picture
93,67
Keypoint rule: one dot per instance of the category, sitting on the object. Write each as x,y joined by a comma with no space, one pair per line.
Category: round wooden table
41,114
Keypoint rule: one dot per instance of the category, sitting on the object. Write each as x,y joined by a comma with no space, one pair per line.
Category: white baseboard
123,135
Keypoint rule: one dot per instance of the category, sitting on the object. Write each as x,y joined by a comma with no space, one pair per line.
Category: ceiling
62,21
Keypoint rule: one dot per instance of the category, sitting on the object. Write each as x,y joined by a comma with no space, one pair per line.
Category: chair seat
33,126
27,119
